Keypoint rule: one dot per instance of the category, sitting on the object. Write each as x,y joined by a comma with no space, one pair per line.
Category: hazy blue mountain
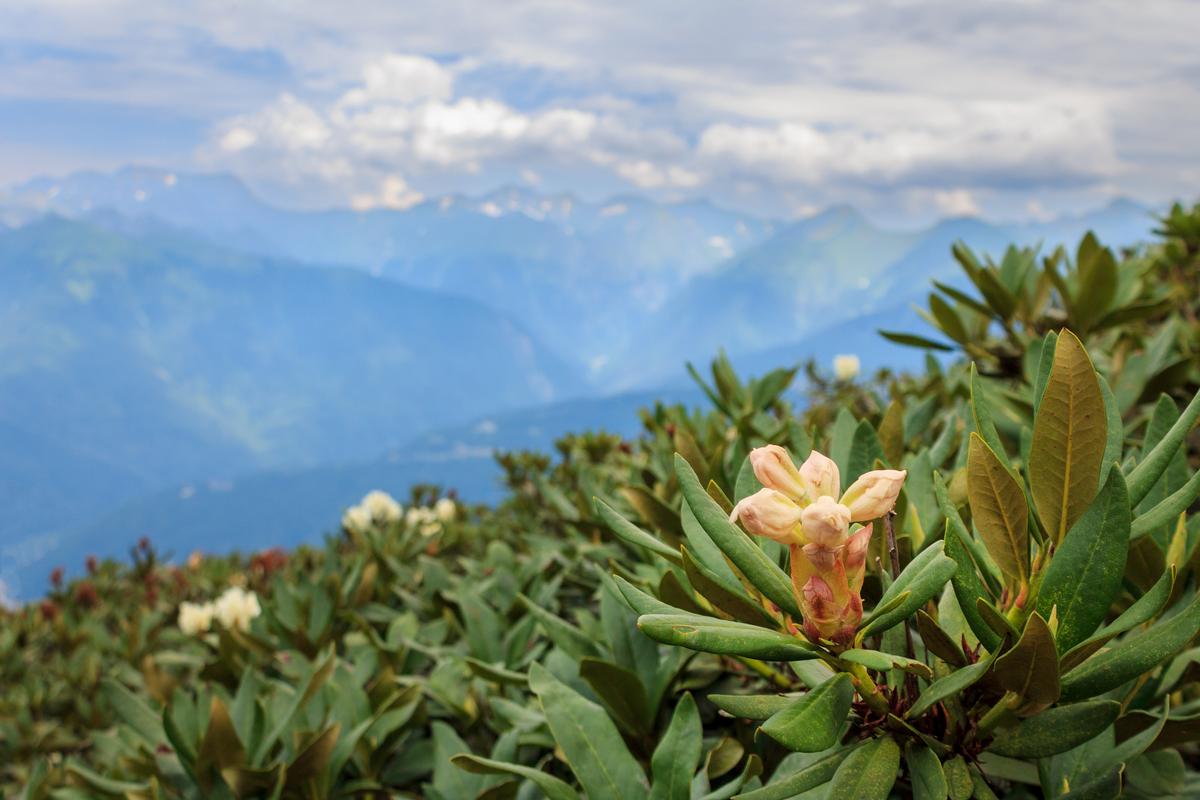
128,364
575,273
286,507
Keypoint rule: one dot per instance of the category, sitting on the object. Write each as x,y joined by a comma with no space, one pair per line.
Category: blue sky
907,110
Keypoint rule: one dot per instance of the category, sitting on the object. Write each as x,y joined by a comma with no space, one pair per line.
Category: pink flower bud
825,522
774,469
769,513
855,558
874,494
820,475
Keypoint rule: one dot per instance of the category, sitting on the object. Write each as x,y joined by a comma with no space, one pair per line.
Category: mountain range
173,351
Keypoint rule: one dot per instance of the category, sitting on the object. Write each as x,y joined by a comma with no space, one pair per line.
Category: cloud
795,105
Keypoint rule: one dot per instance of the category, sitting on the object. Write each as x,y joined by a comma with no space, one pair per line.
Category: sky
907,110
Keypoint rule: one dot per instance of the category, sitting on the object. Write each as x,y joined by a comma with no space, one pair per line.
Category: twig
910,680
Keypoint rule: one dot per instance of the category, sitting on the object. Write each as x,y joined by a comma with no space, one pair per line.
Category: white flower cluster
429,520
376,508
234,609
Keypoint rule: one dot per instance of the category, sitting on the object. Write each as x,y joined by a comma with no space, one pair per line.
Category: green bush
1008,609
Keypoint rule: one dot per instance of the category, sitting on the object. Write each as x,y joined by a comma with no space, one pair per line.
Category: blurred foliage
606,632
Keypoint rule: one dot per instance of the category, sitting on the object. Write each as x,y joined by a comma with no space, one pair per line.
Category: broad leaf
868,773
726,638
1129,658
813,722
588,739
1056,730
677,754
1069,436
921,580
1084,576
998,507
925,773
1029,669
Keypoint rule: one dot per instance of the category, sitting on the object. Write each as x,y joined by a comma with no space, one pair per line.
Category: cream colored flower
445,509
799,508
195,618
382,507
356,519
846,367
236,608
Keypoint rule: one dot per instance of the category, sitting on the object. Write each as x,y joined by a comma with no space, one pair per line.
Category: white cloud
956,203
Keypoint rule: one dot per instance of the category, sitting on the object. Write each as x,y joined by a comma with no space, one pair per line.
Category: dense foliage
1021,623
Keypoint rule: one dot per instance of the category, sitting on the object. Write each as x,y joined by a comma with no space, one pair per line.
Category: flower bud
774,469
854,558
825,522
769,513
820,475
874,494
846,367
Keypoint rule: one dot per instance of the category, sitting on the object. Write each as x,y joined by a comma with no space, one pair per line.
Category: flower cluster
235,609
798,508
376,508
429,520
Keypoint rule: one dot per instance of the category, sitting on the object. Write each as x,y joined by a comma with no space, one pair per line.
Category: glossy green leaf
797,783
1084,576
552,787
733,602
868,773
724,637
922,580
621,690
1134,655
1069,437
631,533
752,706
1029,669
1169,509
1143,477
588,739
969,590
925,773
813,722
883,662
999,510
945,687
1056,730
758,568
678,753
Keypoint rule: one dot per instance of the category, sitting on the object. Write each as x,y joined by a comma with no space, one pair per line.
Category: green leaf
1029,669
912,340
868,773
865,449
733,602
948,319
675,759
981,411
1084,576
641,602
1143,477
621,690
1056,730
968,588
938,642
589,741
958,779
813,722
1129,658
1069,437
884,662
624,529
724,637
751,706
797,783
566,636
925,773
758,568
998,507
134,712
922,579
950,685
552,787
1169,509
